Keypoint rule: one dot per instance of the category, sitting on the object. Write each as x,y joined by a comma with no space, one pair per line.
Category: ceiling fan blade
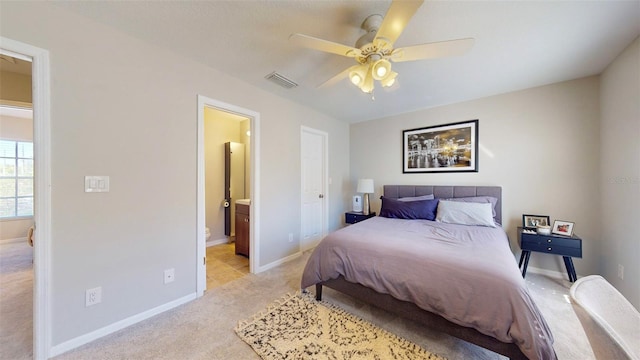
324,45
432,50
336,79
396,19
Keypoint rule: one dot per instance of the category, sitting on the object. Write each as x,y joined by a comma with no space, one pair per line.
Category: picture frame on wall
561,227
441,149
532,221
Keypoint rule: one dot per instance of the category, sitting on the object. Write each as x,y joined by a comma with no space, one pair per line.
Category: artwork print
442,148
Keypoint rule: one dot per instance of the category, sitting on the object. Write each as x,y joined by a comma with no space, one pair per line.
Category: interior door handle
321,196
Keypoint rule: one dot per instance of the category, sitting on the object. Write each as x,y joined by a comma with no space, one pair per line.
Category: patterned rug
299,327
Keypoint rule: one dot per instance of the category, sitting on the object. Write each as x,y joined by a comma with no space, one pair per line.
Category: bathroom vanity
242,227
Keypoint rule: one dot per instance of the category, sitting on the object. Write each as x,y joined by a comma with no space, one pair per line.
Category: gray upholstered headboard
446,191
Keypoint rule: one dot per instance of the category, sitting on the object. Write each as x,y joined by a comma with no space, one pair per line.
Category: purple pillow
421,209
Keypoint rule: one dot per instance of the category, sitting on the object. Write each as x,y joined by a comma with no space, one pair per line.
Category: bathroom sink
243,201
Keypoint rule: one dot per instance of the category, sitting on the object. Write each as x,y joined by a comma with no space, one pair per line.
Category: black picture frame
531,221
441,148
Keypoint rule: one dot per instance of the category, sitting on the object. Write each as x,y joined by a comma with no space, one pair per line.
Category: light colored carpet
299,327
203,329
16,301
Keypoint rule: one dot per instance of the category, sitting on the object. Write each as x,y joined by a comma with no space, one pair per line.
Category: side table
567,247
351,217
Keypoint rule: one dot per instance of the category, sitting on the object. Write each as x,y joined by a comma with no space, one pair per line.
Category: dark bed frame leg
319,292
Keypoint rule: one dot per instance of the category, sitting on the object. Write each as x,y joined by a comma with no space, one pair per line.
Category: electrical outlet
290,237
169,275
621,271
93,296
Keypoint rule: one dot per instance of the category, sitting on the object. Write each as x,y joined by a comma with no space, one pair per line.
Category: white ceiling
519,44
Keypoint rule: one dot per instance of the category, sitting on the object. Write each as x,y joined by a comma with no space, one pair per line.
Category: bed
459,279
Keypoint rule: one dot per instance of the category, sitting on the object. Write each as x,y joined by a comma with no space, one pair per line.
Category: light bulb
357,74
356,79
380,69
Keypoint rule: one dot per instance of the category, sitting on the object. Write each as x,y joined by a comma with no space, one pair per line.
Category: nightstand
351,217
565,246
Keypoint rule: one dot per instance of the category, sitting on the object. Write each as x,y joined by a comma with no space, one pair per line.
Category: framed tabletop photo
441,148
532,221
561,227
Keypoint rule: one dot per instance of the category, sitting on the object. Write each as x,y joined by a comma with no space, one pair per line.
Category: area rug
299,327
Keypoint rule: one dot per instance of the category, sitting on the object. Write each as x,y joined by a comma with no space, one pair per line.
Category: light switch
96,184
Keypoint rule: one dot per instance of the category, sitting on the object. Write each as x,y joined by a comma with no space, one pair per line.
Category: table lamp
365,186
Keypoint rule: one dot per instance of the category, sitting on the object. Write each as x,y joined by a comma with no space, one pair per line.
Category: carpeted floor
16,300
203,329
299,327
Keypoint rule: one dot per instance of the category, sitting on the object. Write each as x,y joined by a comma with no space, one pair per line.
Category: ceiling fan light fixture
380,69
374,51
368,84
358,74
389,80
355,78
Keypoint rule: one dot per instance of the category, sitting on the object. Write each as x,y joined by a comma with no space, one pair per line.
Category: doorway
16,213
39,59
206,105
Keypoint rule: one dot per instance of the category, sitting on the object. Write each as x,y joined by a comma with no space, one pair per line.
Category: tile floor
224,266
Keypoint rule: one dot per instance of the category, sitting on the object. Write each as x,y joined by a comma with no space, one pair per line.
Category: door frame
41,97
325,180
254,225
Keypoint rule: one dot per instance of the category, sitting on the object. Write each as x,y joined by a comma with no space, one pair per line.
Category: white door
313,150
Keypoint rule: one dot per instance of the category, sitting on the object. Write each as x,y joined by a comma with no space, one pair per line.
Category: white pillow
465,213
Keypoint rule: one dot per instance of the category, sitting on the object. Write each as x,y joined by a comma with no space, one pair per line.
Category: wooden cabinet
242,229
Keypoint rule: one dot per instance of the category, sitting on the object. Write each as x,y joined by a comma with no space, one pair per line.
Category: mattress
466,274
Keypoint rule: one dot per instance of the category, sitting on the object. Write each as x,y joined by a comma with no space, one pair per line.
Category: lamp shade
365,186
380,69
389,80
357,74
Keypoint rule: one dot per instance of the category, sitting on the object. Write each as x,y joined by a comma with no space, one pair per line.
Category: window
16,179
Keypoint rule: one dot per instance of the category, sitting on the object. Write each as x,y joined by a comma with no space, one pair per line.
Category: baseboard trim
12,241
217,242
94,335
279,262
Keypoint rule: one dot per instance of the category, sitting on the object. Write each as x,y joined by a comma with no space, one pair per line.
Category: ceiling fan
374,50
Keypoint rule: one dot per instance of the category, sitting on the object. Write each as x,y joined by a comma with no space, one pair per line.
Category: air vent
276,78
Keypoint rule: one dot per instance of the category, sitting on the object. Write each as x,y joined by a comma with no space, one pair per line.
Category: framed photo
442,148
532,221
562,228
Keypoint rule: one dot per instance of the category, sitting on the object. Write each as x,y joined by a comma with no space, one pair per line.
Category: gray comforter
467,274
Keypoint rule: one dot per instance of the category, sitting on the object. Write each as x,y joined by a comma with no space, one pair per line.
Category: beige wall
134,118
541,145
15,87
620,172
245,126
15,128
